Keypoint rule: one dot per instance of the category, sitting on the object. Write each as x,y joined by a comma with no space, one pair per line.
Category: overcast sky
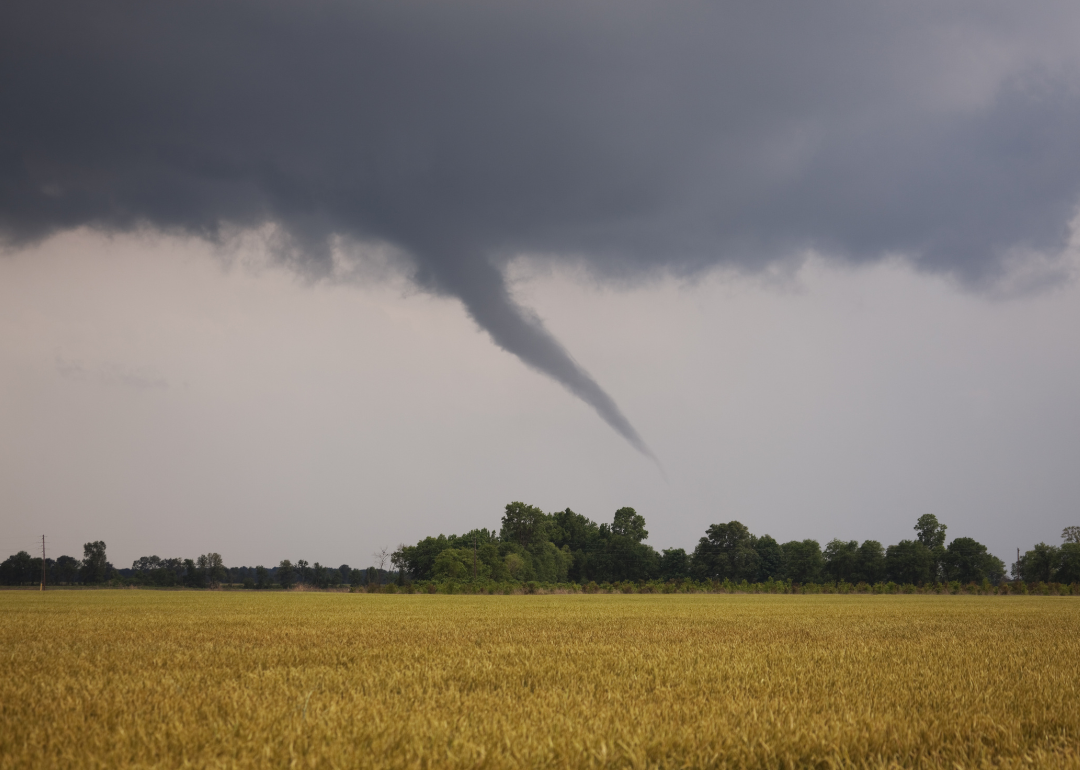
300,280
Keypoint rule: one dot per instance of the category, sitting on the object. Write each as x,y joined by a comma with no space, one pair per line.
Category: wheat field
250,679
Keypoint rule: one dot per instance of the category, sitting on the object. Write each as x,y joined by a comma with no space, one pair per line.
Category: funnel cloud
483,290
630,139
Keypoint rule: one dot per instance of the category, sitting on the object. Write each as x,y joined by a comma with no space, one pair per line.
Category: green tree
17,569
722,553
1068,570
931,532
1071,535
968,561
932,535
551,564
515,566
454,564
869,563
212,568
770,558
674,564
523,524
286,575
630,524
193,576
586,543
67,570
95,567
803,561
621,554
745,562
488,555
1038,564
419,560
303,572
909,561
842,560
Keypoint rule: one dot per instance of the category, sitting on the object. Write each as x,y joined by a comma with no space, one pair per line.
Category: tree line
566,547
206,571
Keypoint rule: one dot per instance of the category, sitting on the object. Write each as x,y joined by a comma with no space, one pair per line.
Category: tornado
482,289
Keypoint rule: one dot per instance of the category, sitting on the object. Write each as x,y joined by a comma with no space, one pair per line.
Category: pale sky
170,402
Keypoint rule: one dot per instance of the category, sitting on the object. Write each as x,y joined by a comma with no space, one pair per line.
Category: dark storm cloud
634,138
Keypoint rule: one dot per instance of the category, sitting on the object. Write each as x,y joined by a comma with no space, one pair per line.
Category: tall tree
286,575
870,563
522,524
770,558
968,561
212,568
842,560
303,572
803,561
194,576
932,535
630,524
455,564
67,569
1068,570
419,560
931,531
623,555
582,535
726,551
17,569
909,561
1038,565
95,567
674,564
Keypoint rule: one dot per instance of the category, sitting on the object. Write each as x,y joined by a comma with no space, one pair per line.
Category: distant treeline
568,547
206,571
533,547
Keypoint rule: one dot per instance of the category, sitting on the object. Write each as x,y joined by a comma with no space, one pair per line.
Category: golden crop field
251,679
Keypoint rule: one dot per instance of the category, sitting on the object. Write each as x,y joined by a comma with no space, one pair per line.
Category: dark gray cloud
634,138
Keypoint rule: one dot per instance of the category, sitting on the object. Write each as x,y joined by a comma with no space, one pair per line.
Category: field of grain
250,679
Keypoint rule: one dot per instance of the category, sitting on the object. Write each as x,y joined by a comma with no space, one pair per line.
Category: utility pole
43,562
474,558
